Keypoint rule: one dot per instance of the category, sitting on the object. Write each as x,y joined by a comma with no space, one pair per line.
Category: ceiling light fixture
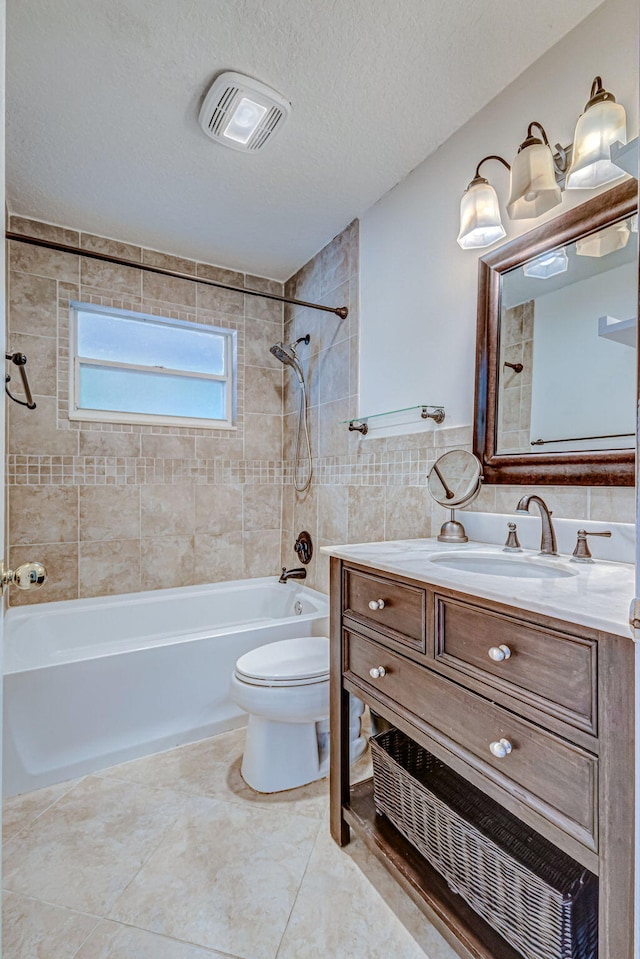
537,174
602,124
242,113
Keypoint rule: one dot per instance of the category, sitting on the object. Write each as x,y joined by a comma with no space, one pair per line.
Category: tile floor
174,857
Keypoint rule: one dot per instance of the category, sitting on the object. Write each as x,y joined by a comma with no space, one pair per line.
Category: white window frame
77,412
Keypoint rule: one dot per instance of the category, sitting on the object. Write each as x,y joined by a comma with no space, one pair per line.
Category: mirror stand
452,531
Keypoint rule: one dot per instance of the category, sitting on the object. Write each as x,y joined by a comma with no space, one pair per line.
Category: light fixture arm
560,158
491,156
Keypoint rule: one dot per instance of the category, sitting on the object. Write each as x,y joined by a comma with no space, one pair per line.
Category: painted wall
418,288
112,508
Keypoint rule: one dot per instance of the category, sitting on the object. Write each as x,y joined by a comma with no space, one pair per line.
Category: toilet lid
289,662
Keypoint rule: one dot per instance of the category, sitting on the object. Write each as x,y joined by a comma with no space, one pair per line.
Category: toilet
284,686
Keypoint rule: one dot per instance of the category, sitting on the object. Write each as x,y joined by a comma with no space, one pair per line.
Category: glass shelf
423,411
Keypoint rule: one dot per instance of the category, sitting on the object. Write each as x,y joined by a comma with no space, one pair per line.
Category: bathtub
93,682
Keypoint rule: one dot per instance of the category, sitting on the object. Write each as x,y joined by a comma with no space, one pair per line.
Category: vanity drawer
402,615
553,777
552,671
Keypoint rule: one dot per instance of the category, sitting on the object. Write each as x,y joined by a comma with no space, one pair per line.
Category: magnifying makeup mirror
454,482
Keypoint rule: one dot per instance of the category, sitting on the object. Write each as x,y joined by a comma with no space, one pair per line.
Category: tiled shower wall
112,508
367,488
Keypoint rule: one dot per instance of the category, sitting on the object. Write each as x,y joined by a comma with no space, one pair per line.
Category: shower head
287,355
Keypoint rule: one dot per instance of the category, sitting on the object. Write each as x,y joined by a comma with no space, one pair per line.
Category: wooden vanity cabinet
561,694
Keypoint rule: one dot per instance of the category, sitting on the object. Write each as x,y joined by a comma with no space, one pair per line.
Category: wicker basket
539,899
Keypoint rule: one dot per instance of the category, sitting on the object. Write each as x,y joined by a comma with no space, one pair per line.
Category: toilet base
279,756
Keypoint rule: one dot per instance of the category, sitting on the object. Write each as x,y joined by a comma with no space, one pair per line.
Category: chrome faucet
548,543
286,574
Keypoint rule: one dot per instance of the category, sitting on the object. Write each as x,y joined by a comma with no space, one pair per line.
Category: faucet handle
513,543
582,553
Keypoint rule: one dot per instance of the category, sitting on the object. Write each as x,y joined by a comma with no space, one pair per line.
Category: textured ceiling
103,99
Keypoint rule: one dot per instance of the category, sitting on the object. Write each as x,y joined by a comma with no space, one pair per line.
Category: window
134,368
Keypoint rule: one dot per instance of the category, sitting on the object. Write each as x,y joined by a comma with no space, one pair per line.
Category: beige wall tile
262,507
215,299
219,273
36,431
407,512
258,340
333,506
109,512
43,514
100,443
33,304
262,390
167,559
259,307
61,563
101,244
305,511
366,514
168,289
333,433
613,504
41,367
110,276
161,446
218,558
262,436
262,553
44,231
108,568
64,267
168,510
218,509
568,502
165,261
333,371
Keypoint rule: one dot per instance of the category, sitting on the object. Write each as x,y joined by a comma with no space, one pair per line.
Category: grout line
297,895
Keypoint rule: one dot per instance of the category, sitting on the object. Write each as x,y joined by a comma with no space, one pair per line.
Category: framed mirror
556,354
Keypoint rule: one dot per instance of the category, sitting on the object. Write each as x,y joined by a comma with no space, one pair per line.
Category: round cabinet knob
377,672
499,653
501,748
376,604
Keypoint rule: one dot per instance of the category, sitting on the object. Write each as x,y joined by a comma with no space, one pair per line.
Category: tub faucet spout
286,574
548,544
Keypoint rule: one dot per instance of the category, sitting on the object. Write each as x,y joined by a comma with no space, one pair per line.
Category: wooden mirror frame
586,468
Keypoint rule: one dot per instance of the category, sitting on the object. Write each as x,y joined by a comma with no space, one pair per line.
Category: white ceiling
103,99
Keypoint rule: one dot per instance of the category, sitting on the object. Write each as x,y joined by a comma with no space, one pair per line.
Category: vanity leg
338,717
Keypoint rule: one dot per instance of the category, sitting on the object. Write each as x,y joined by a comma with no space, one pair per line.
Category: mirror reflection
567,360
454,479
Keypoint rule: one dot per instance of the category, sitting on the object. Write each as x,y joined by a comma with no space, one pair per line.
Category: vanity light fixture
546,265
480,220
534,188
537,172
602,124
604,242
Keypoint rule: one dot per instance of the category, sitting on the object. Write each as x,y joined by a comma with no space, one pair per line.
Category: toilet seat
289,662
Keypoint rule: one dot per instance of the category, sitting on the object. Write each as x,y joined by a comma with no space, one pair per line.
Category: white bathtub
93,682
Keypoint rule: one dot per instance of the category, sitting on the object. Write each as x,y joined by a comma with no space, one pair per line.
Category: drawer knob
501,748
377,672
499,653
376,604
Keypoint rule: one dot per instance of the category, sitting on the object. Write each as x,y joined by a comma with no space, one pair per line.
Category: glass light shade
600,125
606,241
244,120
549,264
480,221
533,183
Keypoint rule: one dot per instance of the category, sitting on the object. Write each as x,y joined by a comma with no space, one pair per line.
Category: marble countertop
596,594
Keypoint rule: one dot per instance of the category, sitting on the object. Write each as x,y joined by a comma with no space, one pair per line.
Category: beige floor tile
348,907
224,877
89,845
38,930
114,941
212,768
20,811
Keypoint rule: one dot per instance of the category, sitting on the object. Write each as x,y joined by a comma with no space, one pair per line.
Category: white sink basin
492,564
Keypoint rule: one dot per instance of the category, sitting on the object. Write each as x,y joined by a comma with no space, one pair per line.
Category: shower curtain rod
341,311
